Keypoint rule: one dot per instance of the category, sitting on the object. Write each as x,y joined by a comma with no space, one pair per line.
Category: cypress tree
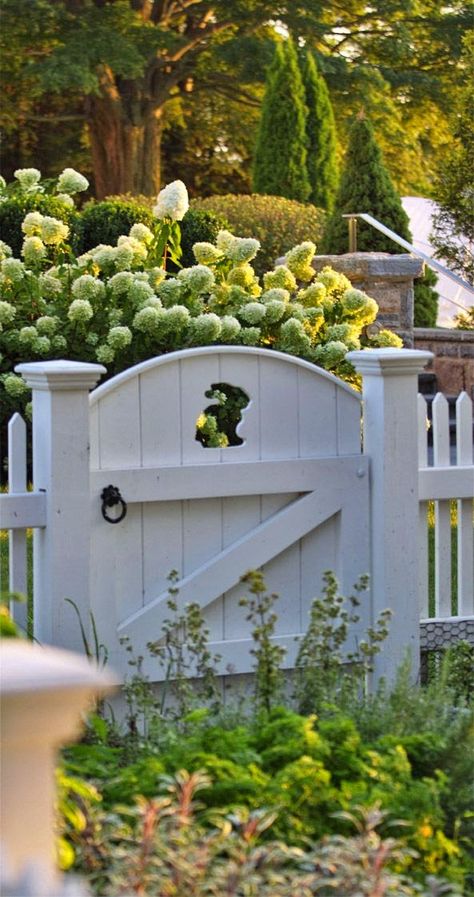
366,186
321,163
280,155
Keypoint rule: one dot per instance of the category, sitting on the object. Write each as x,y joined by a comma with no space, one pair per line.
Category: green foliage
279,166
325,670
8,627
14,209
365,186
268,655
453,225
216,427
465,320
426,299
321,163
169,841
278,223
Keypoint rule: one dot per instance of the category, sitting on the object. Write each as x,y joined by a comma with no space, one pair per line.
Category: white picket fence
398,539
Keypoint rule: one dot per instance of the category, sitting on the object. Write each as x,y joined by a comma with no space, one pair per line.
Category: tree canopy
118,65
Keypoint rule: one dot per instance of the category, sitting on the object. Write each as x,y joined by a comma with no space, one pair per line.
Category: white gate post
390,388
61,470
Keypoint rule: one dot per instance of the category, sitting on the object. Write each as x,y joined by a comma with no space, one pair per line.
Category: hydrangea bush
118,305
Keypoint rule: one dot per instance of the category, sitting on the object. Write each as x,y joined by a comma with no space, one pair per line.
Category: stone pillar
388,279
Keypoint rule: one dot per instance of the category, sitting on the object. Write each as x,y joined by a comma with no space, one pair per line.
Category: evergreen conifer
366,186
280,153
321,162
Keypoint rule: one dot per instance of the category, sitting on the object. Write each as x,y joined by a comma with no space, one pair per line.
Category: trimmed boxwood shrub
277,222
104,222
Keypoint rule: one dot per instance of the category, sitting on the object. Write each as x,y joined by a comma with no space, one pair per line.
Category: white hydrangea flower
147,319
275,310
224,241
33,250
139,250
243,249
170,291
120,283
46,325
230,327
119,338
102,255
140,291
242,276
249,336
80,311
253,312
205,328
155,277
27,335
5,251
53,231
198,278
172,202
31,225
59,343
276,294
206,253
142,233
42,345
66,199
49,285
28,178
15,386
177,317
281,278
299,260
7,313
70,181
13,269
88,287
105,354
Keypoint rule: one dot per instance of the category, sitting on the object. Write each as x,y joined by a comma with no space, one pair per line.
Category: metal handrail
433,263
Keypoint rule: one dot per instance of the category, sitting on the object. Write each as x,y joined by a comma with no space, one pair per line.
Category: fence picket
18,576
442,510
464,456
422,513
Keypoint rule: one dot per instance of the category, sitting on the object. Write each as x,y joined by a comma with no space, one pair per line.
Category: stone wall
388,279
453,364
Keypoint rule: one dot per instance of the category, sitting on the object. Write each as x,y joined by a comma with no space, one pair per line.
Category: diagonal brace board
251,551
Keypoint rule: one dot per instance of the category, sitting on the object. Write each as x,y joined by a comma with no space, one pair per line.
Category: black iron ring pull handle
110,497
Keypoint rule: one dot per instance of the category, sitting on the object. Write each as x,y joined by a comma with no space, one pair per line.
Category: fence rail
444,482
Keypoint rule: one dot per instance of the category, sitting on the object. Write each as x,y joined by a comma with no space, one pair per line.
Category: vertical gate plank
465,535
278,402
160,399
442,511
316,416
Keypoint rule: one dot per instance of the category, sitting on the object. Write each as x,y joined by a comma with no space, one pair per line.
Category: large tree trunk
125,132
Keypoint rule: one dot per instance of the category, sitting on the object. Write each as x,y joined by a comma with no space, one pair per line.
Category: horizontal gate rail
144,484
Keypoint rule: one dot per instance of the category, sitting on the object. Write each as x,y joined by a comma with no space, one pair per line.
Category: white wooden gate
292,499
